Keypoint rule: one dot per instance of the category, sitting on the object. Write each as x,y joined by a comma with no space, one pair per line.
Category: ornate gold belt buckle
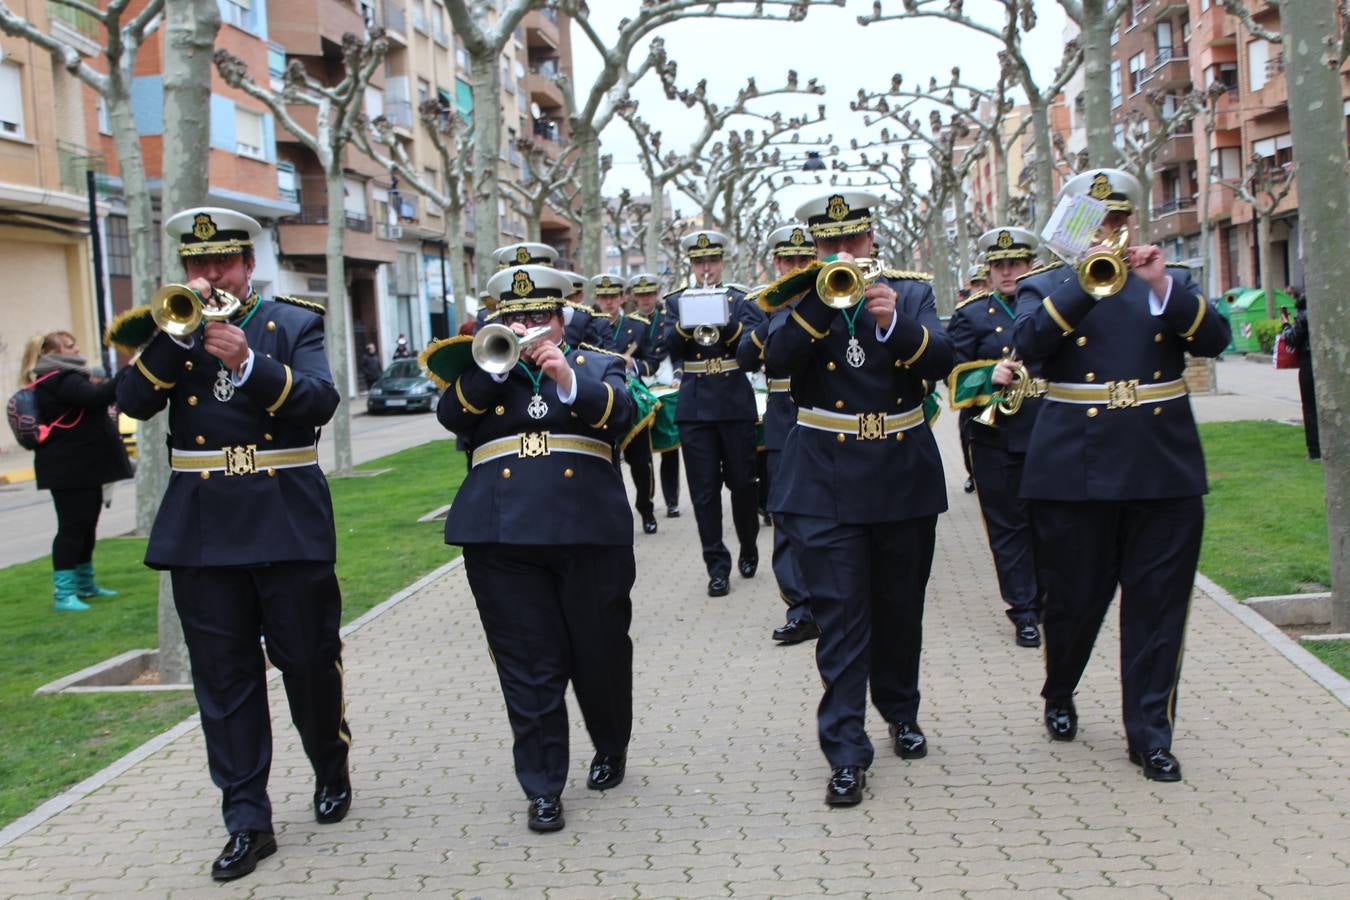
1122,394
871,426
715,366
241,459
533,443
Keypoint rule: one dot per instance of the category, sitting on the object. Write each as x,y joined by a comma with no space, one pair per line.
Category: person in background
401,349
81,453
371,369
1297,337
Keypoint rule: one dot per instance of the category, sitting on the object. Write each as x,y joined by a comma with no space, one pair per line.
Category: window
464,98
11,101
1258,58
354,197
432,178
1115,35
462,59
1224,73
236,13
248,134
1162,35
374,105
101,111
1129,16
423,91
288,185
1225,163
1115,84
118,247
1137,74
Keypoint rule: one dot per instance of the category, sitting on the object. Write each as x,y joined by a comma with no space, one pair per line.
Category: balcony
74,161
1228,111
1215,25
1180,149
1161,8
304,28
399,112
306,234
1173,218
395,22
542,89
541,29
1171,68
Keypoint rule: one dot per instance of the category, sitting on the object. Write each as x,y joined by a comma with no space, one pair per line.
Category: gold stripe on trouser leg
1176,673
344,734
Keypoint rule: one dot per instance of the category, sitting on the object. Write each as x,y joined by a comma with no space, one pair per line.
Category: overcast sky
829,46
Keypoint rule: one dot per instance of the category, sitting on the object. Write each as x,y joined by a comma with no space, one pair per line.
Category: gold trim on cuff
285,391
463,401
609,406
807,327
150,377
1054,314
1199,317
922,347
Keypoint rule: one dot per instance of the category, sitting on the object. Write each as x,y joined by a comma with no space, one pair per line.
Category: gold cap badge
837,208
203,229
1005,240
1101,187
797,238
521,285
522,255
703,242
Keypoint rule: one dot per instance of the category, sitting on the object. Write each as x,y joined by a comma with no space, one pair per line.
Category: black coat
89,453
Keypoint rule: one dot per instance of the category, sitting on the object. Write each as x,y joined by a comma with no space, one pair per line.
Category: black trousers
1308,394
762,477
638,455
77,511
297,608
786,571
866,584
1007,521
554,614
1150,549
670,477
717,453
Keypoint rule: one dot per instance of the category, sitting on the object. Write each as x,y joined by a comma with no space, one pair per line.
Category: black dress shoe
546,813
241,854
649,523
1028,635
718,586
796,631
606,771
331,803
672,512
845,786
1061,719
747,565
969,486
1158,764
909,740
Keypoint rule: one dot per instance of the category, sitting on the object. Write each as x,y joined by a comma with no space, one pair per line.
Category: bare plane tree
1095,20
1144,137
338,115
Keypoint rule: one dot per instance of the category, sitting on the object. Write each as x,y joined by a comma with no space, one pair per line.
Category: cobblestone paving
725,778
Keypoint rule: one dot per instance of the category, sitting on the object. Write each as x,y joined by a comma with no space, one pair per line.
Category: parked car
403,386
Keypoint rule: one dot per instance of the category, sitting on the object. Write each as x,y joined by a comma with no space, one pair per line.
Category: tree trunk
587,143
1001,197
1267,270
1205,189
487,129
454,244
1096,37
1318,131
1143,215
1045,168
190,28
651,244
337,325
962,235
943,289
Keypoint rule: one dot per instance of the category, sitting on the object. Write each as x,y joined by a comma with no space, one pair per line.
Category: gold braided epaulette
906,275
981,295
1058,264
638,317
673,293
594,349
317,308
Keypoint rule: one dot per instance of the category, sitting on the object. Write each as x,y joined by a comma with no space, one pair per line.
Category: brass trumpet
1009,400
496,348
1103,273
706,335
842,283
179,311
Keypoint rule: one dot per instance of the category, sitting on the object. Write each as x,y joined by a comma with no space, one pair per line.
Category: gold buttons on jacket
840,438
192,400
581,360
272,473
831,366
1082,341
1157,375
1090,376
1005,349
267,437
501,410
568,473
506,473
899,435
205,476
271,326
998,329
1157,410
839,404
188,365
1092,412
1157,338
200,440
991,310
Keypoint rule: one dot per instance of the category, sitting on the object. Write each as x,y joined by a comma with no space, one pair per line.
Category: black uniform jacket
849,478
1101,451
239,520
535,495
85,452
627,330
982,329
713,396
780,413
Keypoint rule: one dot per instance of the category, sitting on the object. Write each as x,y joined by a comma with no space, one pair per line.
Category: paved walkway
725,779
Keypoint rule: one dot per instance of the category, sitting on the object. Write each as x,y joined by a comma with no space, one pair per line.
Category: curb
17,476
1335,683
78,792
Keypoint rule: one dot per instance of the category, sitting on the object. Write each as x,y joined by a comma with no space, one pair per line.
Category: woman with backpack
78,451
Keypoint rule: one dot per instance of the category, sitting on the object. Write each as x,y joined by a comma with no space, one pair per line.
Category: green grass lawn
54,741
1334,653
1265,516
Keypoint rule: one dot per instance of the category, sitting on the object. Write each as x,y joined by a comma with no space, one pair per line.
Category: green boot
85,586
64,598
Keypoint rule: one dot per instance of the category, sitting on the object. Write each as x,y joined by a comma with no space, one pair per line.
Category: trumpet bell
842,283
1103,273
706,335
496,348
178,311
988,416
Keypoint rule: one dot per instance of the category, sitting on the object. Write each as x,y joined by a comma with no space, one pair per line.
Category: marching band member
716,416
860,486
577,316
246,524
791,249
646,291
1114,470
552,590
981,331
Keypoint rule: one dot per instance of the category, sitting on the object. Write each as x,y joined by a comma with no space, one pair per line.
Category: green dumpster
1244,307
